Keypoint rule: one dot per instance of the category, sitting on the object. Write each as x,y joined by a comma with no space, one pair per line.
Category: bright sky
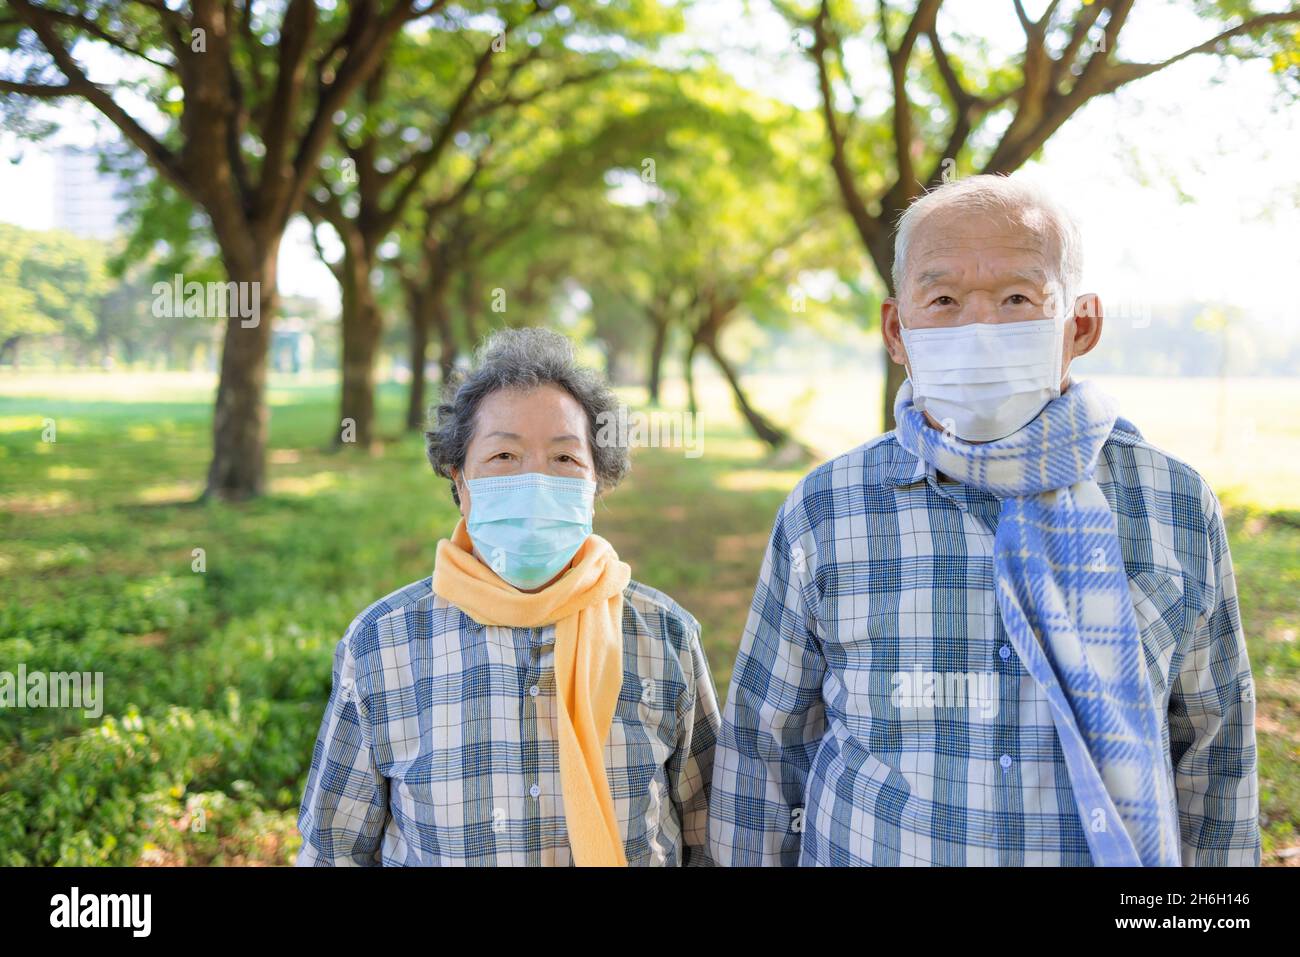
1226,145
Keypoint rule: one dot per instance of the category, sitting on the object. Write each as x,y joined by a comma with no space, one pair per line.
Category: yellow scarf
586,606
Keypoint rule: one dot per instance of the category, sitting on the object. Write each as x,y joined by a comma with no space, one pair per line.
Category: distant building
86,201
292,345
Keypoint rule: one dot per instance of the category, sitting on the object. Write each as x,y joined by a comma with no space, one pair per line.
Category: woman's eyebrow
566,437
503,435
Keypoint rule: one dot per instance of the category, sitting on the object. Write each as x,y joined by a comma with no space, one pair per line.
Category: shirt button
533,691
1004,652
1005,761
534,791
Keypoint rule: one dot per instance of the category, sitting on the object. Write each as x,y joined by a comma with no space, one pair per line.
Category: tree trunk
447,344
357,397
429,314
362,327
763,428
689,361
419,323
240,416
441,320
470,303
882,254
657,347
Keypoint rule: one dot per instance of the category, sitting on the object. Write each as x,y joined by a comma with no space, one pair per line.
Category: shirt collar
906,468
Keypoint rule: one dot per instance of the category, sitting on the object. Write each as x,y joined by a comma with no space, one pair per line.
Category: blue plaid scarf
1064,600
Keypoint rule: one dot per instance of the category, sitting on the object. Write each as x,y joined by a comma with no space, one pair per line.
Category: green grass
215,680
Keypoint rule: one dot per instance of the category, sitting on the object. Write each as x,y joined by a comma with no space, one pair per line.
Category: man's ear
1088,319
890,328
1086,323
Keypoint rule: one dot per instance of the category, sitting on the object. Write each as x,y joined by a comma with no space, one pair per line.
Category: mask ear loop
1056,293
462,489
907,356
1058,364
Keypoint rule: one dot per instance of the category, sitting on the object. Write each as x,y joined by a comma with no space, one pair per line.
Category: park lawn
215,680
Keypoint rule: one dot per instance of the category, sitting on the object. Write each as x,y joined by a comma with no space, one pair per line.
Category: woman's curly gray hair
524,359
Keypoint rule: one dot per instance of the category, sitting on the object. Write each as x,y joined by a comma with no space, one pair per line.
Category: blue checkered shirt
878,583
439,742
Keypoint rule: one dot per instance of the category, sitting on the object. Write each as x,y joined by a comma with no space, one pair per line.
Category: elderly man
529,703
1007,632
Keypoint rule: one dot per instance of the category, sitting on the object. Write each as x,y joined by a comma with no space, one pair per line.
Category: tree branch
99,33
1125,72
419,164
922,21
295,40
1083,23
79,84
40,90
866,225
361,59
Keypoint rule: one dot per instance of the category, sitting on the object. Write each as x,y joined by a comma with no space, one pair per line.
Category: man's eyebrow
1035,277
566,437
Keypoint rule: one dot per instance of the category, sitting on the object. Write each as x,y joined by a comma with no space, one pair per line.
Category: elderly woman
529,703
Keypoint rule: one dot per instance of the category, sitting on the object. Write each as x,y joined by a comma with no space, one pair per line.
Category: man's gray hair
1022,201
523,359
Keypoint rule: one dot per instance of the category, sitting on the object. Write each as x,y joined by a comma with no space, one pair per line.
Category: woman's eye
943,301
502,455
1017,296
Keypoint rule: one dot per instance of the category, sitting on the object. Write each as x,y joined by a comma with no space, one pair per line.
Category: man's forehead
956,231
953,243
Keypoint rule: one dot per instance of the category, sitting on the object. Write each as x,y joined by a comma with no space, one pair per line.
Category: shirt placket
1002,777
529,740
536,703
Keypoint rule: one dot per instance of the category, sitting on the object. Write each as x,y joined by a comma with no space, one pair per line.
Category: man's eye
1022,300
943,301
502,455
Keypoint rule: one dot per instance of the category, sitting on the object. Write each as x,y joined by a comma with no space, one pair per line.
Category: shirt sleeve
773,721
1212,725
345,805
690,769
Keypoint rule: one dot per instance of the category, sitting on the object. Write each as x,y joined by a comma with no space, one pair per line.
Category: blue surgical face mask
528,527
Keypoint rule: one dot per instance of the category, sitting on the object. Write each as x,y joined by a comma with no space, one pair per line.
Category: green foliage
214,682
51,283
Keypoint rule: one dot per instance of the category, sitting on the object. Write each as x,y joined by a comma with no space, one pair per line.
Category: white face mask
983,381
